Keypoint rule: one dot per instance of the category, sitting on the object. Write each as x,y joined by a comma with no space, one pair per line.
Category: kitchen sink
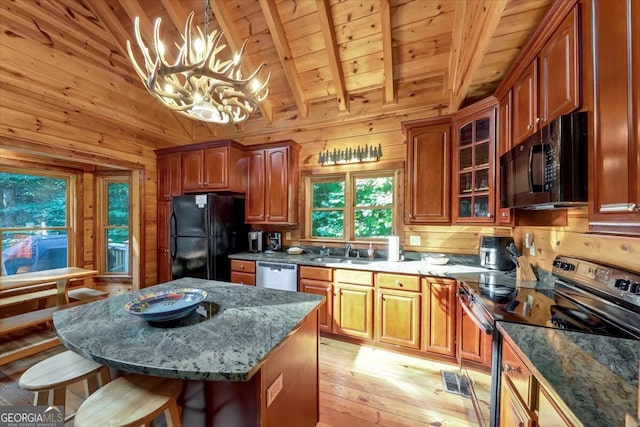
336,260
327,259
356,261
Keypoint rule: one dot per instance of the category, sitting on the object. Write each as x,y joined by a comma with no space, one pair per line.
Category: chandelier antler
199,85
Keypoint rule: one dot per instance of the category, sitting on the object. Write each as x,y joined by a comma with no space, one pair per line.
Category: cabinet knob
529,127
206,183
508,368
410,216
633,207
489,215
505,214
242,267
538,119
398,283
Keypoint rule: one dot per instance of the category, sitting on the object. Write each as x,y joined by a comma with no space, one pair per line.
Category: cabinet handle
508,368
529,127
620,207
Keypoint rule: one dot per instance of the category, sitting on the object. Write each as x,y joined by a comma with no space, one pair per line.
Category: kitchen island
249,355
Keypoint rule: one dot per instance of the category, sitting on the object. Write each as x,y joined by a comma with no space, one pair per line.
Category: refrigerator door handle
172,236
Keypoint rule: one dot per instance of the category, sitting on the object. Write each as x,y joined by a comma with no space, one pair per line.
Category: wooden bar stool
131,400
49,378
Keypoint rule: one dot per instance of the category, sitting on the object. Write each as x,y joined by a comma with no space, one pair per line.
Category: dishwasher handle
276,266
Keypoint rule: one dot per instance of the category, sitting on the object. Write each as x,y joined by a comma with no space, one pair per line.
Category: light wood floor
359,386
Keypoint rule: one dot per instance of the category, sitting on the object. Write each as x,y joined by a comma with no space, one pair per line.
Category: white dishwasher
277,275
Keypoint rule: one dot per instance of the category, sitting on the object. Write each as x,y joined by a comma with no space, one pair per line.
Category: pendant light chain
207,14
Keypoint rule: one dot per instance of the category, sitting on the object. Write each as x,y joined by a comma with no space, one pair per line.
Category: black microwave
549,169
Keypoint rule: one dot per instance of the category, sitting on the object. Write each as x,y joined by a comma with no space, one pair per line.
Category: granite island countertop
242,325
594,375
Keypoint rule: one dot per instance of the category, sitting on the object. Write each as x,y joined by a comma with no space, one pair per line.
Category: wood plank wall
574,239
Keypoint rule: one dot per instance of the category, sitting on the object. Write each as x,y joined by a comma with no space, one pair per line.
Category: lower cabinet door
325,289
243,278
353,310
398,318
513,411
439,316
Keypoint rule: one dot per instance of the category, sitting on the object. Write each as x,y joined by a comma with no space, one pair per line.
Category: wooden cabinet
520,377
614,155
243,272
353,303
550,85
318,280
525,105
472,343
549,414
169,185
398,309
428,182
219,167
169,178
474,164
272,184
439,316
517,390
505,216
164,249
513,411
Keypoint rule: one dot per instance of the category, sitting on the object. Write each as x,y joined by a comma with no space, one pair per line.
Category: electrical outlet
414,240
287,235
274,389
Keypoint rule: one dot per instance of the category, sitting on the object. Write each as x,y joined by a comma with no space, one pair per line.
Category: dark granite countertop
242,326
595,376
458,264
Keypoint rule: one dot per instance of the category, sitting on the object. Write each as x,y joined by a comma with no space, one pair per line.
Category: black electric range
586,297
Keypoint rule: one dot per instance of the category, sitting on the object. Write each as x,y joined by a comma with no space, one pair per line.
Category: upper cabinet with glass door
474,163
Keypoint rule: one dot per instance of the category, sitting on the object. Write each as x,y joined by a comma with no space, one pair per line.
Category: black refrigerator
205,229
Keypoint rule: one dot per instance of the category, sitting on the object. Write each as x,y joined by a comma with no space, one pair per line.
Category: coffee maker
275,240
493,253
257,241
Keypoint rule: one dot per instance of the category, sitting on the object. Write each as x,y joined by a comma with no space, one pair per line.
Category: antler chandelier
199,85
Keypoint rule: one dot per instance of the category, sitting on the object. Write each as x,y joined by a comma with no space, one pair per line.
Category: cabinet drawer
398,281
354,276
518,373
243,278
316,273
243,266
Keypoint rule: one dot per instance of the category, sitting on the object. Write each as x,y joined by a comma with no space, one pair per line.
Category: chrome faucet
348,247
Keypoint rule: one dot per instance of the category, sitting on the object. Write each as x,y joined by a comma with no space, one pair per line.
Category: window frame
349,177
103,180
71,200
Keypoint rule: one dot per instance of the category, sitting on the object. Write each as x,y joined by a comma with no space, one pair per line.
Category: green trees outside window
34,222
352,205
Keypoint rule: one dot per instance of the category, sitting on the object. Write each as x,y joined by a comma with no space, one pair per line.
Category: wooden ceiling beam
387,53
329,35
474,34
232,36
270,11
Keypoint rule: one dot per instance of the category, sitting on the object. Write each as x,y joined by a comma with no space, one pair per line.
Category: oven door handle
475,314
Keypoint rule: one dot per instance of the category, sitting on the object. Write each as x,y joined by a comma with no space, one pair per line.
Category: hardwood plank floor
360,386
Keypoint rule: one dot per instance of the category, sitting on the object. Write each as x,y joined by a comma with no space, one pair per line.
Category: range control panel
621,284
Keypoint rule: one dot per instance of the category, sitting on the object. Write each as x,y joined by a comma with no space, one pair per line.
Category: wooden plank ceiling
347,60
